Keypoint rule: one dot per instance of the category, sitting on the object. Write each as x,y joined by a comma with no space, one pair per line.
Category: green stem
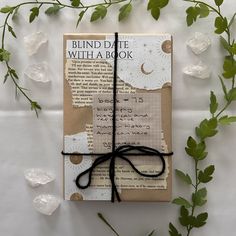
4,29
41,3
189,229
227,31
70,6
213,9
17,85
107,223
223,109
53,3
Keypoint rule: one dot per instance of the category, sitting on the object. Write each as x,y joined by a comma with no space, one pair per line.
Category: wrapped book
143,113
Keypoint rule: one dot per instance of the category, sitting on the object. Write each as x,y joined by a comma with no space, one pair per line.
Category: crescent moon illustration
144,71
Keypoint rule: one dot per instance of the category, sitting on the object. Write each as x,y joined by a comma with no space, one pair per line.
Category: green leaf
204,10
157,4
53,10
196,150
196,222
220,24
125,11
233,49
192,11
227,120
7,9
199,198
35,106
229,48
155,12
184,219
185,177
225,44
212,123
4,55
229,68
5,77
191,142
10,29
207,128
34,14
189,220
162,3
155,7
206,175
75,3
189,20
13,73
182,202
192,14
213,103
173,231
200,220
219,2
100,12
232,94
81,15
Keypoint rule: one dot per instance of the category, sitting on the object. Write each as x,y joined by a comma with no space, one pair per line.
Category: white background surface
26,141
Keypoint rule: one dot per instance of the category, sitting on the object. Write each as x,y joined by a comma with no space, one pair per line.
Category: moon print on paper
150,66
144,71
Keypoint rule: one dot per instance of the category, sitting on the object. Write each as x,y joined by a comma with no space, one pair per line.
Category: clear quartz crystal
36,177
38,72
199,71
46,203
34,41
199,43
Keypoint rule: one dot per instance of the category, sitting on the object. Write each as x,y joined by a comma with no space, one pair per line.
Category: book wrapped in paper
143,113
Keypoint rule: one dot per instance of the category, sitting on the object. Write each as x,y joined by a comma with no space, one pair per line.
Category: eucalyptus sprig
196,147
53,7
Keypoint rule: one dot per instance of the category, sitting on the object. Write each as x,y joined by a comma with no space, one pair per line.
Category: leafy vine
196,147
99,11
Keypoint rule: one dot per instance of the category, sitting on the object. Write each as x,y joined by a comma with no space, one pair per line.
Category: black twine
121,151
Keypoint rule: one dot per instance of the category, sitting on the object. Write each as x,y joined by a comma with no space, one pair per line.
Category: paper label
138,120
88,77
144,62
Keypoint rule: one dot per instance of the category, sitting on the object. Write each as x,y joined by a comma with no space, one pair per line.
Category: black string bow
121,152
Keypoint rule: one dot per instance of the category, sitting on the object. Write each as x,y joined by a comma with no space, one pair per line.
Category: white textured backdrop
26,141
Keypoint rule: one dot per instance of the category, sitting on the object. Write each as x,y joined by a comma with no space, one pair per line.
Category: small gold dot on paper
166,46
76,197
76,159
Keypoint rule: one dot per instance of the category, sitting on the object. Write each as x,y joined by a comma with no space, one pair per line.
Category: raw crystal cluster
199,43
199,71
36,177
34,41
46,203
38,72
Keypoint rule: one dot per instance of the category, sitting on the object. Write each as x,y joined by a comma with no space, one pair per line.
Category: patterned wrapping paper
143,112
